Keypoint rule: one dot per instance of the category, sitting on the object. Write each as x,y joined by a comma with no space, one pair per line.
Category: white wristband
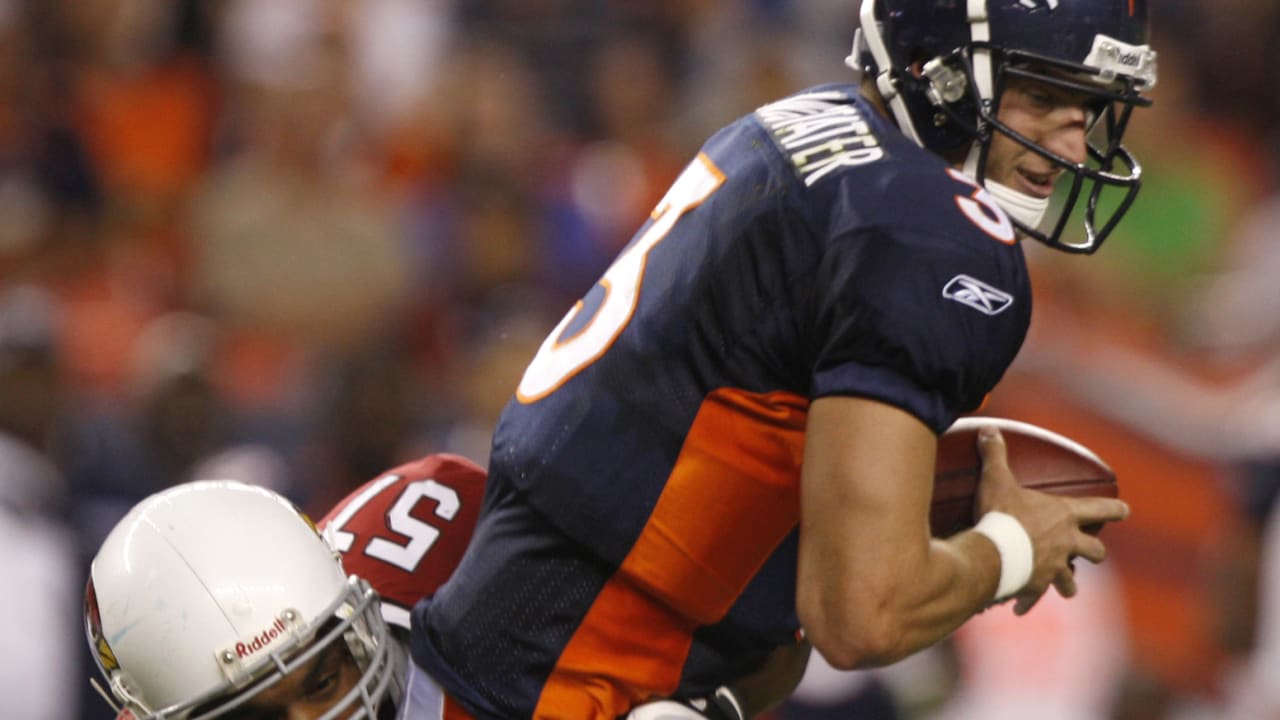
1017,557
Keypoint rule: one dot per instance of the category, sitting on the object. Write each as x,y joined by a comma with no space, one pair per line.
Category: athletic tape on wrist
1017,557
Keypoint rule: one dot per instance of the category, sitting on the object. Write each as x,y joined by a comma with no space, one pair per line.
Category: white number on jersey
560,359
404,555
981,209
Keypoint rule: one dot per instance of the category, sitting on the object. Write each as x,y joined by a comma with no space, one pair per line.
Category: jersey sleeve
405,531
898,318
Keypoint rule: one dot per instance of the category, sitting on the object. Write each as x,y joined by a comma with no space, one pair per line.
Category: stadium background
302,240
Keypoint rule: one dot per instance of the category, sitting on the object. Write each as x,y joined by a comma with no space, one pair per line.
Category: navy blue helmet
942,66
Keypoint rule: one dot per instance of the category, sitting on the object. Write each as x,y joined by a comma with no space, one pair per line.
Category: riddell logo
260,641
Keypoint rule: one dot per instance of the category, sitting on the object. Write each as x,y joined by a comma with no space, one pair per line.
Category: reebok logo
1034,4
977,295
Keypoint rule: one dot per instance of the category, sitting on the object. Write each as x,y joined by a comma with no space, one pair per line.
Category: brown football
1039,458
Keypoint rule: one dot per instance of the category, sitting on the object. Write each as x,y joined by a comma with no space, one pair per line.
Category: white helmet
210,592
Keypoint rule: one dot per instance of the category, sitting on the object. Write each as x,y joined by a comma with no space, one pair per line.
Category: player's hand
1054,523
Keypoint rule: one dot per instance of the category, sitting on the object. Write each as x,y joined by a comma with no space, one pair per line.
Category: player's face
306,693
1052,117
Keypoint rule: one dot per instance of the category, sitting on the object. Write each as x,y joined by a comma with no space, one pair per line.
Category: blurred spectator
618,178
119,450
551,38
253,463
1078,376
503,335
1070,671
49,192
366,417
145,99
1254,690
1236,323
745,54
39,612
289,233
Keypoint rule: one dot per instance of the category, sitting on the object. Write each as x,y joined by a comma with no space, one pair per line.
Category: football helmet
210,592
942,67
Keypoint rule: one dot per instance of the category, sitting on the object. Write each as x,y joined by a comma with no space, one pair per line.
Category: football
1039,458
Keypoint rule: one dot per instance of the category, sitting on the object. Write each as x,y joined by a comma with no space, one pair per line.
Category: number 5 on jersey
563,354
421,535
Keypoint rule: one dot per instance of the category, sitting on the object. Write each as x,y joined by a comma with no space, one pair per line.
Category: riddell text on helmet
261,640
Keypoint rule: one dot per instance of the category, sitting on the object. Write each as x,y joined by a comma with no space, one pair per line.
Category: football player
728,443
221,599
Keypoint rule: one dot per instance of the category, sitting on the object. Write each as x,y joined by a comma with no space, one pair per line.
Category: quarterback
726,446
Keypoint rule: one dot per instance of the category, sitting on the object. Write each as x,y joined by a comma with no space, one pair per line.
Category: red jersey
405,530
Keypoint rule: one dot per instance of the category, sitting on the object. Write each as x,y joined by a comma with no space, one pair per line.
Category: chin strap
1025,209
1028,211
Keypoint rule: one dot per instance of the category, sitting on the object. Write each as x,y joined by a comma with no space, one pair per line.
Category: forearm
958,578
868,609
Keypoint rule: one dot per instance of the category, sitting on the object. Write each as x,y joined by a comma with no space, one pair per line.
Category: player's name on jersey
821,132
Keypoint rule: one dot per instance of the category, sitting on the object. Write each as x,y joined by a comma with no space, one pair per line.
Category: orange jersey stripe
600,674
732,497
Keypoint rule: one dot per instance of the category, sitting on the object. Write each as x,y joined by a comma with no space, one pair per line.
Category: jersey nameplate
821,132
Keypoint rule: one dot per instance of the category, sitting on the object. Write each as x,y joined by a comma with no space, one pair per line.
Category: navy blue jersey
638,537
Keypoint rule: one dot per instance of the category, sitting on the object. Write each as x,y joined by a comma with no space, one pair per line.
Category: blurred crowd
300,241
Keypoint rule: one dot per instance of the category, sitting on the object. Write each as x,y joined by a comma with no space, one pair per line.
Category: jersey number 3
981,209
561,357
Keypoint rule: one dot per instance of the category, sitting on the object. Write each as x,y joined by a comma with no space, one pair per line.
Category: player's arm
873,585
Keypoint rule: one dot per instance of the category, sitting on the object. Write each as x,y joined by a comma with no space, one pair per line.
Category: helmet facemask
1109,169
210,593
354,626
947,98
